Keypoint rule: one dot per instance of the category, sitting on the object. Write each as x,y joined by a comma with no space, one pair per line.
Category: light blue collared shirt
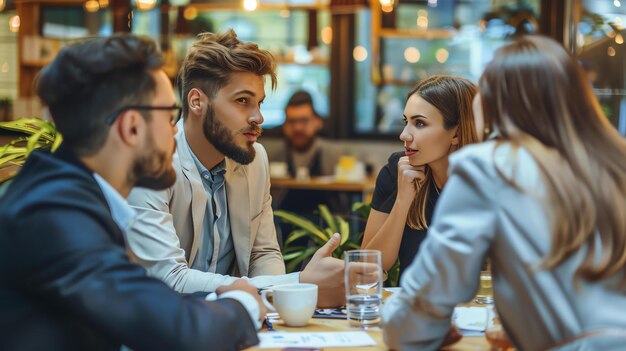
216,251
122,213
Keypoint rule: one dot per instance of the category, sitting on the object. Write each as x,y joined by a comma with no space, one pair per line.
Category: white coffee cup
295,303
302,173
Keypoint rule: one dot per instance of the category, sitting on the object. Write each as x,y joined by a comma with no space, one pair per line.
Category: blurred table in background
359,191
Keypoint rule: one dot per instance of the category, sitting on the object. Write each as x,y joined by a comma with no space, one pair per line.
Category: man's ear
130,127
196,101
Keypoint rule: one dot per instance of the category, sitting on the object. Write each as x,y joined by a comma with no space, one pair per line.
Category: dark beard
153,171
221,138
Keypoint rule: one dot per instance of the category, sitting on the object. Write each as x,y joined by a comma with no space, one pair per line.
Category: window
416,39
601,51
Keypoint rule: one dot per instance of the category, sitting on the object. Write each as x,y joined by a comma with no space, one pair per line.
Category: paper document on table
471,321
321,339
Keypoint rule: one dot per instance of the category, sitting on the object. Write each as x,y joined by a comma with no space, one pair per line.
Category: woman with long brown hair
545,201
439,120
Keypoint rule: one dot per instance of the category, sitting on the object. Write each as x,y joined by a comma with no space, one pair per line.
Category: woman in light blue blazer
545,201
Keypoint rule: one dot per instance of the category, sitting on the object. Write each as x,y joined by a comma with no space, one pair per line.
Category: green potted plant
30,134
319,234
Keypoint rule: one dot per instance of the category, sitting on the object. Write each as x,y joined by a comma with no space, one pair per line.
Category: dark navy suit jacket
67,284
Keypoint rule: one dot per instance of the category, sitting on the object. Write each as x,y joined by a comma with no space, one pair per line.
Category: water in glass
364,310
363,279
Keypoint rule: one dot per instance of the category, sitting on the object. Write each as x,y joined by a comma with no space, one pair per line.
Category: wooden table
468,343
327,183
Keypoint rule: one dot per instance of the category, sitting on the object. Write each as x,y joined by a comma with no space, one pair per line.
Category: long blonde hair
452,96
536,95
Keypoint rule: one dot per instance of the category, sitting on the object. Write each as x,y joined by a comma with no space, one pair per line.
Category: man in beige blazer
198,235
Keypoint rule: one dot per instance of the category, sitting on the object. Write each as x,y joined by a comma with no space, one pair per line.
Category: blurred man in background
305,149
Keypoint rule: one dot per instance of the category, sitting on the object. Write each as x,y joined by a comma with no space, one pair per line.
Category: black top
383,200
66,282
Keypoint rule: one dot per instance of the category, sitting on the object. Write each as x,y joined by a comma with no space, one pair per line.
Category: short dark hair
300,98
89,80
214,57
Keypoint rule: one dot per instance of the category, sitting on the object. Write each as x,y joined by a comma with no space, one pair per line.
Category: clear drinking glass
485,288
494,332
363,278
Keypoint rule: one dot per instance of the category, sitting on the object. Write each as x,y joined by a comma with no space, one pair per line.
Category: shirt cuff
266,281
248,302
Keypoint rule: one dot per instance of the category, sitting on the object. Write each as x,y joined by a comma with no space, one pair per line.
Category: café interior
357,59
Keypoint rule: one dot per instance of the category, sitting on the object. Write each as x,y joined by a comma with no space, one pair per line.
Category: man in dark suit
65,280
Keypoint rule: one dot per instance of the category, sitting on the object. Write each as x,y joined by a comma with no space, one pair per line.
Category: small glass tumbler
363,279
485,287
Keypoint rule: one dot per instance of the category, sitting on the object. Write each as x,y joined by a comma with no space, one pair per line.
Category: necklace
437,190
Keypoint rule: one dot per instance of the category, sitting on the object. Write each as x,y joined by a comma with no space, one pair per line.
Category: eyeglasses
176,112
